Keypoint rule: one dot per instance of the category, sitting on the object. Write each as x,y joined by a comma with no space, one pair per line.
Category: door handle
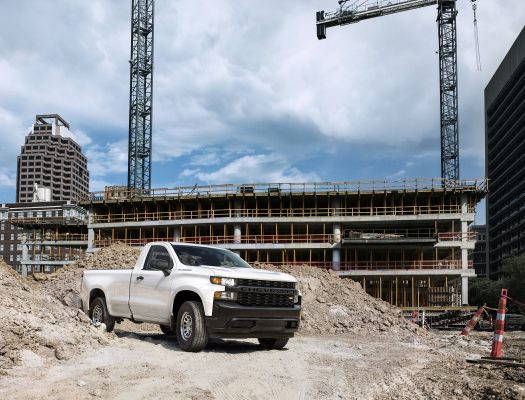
140,278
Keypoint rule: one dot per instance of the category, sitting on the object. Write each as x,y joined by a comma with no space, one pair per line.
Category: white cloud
108,159
7,180
257,169
244,78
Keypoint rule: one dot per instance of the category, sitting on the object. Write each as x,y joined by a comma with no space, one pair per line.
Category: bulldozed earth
350,346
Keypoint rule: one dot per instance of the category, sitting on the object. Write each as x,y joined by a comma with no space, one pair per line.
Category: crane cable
476,38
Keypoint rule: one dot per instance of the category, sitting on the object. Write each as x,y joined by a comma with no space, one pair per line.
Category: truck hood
251,273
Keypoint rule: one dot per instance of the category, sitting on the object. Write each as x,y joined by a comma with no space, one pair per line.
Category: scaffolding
411,232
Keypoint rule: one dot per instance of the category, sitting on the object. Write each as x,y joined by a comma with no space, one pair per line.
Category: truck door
150,289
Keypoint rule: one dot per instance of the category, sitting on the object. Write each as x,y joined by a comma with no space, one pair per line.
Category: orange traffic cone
474,320
497,341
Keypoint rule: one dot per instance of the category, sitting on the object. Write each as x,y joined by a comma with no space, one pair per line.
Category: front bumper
231,320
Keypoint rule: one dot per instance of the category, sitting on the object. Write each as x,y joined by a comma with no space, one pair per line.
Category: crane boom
446,19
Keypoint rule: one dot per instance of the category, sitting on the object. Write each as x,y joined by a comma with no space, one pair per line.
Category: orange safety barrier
497,341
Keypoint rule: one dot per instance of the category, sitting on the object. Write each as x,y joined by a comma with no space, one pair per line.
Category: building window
12,236
18,257
47,268
11,247
1,236
11,257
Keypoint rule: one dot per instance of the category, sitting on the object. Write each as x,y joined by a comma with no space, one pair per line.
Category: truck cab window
157,256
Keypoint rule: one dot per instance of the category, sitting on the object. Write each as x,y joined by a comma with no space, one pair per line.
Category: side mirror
162,265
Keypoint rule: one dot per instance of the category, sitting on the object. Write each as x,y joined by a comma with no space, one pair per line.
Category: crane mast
140,95
446,20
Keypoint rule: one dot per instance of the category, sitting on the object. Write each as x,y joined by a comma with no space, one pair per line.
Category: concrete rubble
36,326
358,344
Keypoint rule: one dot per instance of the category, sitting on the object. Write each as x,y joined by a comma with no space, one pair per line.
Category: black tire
98,313
273,344
167,330
192,333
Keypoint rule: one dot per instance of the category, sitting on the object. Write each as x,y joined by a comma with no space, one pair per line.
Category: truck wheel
192,333
99,314
273,344
167,330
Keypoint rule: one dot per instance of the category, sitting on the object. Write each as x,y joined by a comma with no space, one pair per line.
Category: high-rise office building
505,158
52,160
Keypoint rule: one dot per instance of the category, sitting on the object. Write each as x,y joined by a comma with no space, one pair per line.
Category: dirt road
151,366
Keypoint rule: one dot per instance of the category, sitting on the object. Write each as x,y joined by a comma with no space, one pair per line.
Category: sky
245,93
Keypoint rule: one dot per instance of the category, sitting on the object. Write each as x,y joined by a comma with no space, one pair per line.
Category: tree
483,290
513,279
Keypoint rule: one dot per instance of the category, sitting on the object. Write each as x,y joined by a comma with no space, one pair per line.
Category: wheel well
183,296
94,294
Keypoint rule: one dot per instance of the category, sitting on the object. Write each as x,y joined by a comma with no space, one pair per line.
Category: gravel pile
36,327
339,306
65,283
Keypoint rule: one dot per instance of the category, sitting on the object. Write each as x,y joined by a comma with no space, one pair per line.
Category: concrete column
464,250
237,233
176,233
25,254
336,232
464,290
237,228
91,239
336,259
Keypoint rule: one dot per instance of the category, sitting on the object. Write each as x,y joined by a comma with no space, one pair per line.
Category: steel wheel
98,314
186,326
191,330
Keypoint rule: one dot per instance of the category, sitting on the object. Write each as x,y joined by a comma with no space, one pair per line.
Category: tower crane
140,95
448,76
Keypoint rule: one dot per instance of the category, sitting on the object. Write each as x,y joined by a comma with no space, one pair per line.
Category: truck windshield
195,256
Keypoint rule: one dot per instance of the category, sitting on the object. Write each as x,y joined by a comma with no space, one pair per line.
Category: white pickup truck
196,292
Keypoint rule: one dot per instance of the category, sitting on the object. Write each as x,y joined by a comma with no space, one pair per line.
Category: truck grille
259,283
265,300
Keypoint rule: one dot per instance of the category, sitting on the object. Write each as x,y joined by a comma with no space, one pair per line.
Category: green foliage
513,278
482,290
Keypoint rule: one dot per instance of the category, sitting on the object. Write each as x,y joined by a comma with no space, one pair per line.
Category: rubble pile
65,283
334,305
35,326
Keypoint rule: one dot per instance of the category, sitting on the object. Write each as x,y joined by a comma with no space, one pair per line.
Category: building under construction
407,242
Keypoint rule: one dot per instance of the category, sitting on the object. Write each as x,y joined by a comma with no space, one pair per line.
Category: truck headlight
297,298
217,280
225,296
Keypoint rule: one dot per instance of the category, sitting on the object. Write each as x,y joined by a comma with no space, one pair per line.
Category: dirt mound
65,283
330,304
35,326
335,305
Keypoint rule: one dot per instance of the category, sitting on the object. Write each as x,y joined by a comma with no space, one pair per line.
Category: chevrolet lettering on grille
254,289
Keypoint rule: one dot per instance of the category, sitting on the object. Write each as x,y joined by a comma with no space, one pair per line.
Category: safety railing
63,237
226,239
275,213
425,184
456,236
382,265
48,220
388,234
